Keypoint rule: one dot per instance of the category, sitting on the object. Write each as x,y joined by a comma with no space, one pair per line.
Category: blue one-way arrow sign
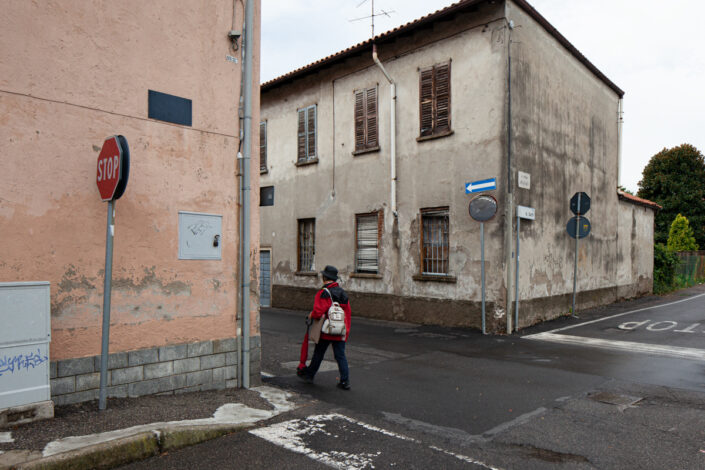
483,185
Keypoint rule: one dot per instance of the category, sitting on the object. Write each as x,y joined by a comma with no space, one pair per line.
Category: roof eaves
637,200
523,4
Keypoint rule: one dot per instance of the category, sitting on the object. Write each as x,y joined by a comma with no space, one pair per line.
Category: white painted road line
645,348
292,435
620,315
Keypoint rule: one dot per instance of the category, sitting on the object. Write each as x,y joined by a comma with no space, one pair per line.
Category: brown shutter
372,118
442,101
263,145
311,132
360,120
302,135
426,101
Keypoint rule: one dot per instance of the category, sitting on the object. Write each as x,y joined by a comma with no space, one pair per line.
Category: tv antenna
372,14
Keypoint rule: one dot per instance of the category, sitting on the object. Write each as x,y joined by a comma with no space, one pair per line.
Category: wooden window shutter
359,120
426,101
371,113
311,150
442,98
302,135
263,145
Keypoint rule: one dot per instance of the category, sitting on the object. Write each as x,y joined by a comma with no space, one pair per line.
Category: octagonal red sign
109,166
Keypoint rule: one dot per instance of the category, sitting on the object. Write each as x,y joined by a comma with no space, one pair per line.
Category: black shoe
301,372
305,377
344,385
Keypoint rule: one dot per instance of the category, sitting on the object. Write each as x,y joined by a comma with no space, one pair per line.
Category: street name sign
524,212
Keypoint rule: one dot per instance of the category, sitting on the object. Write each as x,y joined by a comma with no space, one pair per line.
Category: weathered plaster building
366,168
166,76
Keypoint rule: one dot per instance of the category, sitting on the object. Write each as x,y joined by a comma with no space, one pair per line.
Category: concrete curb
128,449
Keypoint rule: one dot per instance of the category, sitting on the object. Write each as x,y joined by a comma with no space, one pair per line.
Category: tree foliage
675,179
680,237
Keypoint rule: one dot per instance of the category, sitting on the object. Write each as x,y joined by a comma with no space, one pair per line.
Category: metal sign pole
575,268
516,281
482,270
110,232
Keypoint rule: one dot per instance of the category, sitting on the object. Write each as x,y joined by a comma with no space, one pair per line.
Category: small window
434,241
434,100
263,147
306,245
307,134
366,120
368,228
266,196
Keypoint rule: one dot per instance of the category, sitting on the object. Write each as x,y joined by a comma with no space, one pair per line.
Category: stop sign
110,168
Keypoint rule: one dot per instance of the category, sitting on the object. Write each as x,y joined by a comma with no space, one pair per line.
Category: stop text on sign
108,168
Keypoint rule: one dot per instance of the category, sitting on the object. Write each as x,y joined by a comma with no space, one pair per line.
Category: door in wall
265,280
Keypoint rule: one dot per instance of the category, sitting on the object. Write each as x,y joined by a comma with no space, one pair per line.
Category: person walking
321,304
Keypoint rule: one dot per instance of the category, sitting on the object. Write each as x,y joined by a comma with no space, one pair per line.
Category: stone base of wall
180,368
26,413
460,313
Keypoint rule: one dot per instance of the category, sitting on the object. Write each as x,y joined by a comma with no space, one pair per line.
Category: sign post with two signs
578,227
111,178
482,208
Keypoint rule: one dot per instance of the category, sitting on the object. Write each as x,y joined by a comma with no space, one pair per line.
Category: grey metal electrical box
24,343
200,235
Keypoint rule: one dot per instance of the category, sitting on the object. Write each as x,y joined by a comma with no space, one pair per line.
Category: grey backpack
334,324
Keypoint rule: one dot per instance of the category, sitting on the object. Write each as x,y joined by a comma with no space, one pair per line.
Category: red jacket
323,302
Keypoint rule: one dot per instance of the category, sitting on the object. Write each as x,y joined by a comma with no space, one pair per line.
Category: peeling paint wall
564,122
72,75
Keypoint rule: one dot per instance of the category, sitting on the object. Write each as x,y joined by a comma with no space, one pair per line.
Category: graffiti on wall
20,362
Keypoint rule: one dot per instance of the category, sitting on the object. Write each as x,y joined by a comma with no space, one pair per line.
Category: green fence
691,268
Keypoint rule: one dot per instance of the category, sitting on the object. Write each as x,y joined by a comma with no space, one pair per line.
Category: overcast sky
653,50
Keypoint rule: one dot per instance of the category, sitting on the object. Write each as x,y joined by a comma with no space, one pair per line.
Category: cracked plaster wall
72,75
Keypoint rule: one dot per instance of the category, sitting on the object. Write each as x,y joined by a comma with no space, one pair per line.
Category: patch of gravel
85,418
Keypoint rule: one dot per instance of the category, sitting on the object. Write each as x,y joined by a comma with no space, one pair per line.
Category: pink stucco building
167,76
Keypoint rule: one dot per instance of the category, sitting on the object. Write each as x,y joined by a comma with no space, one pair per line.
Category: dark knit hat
330,272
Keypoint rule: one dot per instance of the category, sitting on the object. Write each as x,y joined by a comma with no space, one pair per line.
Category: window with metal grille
434,100
307,134
366,119
263,146
367,233
434,241
306,245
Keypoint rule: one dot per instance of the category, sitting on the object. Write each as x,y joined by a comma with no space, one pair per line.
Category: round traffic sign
582,229
482,208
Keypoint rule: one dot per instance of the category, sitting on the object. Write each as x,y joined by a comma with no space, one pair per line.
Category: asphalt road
621,396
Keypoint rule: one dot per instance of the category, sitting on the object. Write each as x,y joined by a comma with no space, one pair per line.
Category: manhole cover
616,399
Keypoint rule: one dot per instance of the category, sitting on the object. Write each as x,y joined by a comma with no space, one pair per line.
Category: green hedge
665,264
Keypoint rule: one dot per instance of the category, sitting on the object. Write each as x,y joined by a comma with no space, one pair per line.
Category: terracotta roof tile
637,200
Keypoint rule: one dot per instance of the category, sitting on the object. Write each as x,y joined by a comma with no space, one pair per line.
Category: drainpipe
393,131
620,122
245,193
509,210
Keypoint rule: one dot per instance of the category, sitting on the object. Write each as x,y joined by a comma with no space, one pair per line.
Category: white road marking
669,351
6,437
266,375
230,413
661,350
289,435
622,314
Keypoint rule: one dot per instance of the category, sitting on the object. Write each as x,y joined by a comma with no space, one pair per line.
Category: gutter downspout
509,211
393,131
620,122
245,193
